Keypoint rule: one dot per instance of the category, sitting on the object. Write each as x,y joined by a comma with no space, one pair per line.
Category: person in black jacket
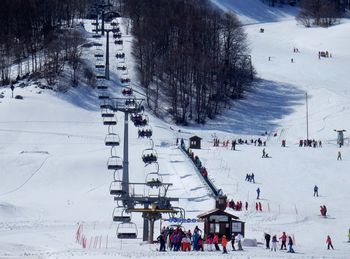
267,239
161,240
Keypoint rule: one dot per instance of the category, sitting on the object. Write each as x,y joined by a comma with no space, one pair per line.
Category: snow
53,158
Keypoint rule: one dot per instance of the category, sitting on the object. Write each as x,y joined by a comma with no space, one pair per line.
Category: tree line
190,54
37,36
320,12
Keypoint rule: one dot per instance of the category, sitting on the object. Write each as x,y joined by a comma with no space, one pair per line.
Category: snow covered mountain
53,158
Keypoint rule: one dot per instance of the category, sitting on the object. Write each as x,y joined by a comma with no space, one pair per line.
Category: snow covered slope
53,159
254,11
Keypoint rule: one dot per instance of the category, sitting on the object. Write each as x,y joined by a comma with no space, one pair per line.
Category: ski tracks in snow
28,179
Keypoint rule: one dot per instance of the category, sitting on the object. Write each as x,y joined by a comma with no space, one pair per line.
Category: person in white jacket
239,239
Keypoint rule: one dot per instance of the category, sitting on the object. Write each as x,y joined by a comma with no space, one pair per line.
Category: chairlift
120,55
100,76
109,120
127,91
149,155
123,68
154,179
102,87
140,121
127,230
118,42
112,139
96,36
103,96
107,113
114,163
117,35
100,66
121,215
145,132
97,44
116,188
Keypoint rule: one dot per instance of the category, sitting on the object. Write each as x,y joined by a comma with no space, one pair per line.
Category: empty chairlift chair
116,188
114,163
112,139
121,216
127,230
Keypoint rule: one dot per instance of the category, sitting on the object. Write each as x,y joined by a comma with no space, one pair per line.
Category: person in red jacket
284,240
216,242
224,244
329,242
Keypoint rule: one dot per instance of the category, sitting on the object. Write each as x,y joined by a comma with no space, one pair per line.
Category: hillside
53,157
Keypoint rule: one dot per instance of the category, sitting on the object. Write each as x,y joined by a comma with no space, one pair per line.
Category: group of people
324,54
145,133
225,143
310,143
250,177
238,206
284,238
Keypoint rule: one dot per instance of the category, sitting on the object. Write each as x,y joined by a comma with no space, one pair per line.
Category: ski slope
53,158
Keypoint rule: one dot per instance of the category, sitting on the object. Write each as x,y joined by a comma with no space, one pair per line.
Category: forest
190,54
38,36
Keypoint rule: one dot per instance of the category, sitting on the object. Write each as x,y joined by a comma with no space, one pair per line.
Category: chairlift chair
145,132
102,87
127,91
107,113
154,179
149,155
114,163
120,215
127,230
112,139
116,188
141,122
103,96
100,76
109,120
96,36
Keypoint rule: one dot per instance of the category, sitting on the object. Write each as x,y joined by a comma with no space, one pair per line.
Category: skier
256,206
239,240
323,210
339,156
260,207
274,243
209,242
292,60
316,191
258,193
263,155
216,242
252,178
290,245
349,236
233,241
224,244
161,240
246,205
267,239
284,240
329,242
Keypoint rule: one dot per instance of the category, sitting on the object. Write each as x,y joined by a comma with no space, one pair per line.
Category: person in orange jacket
216,242
224,244
329,242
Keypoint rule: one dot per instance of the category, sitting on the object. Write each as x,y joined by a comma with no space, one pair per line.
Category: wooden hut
219,222
195,142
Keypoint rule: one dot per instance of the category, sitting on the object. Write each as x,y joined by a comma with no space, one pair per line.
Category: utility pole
307,117
107,57
125,185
